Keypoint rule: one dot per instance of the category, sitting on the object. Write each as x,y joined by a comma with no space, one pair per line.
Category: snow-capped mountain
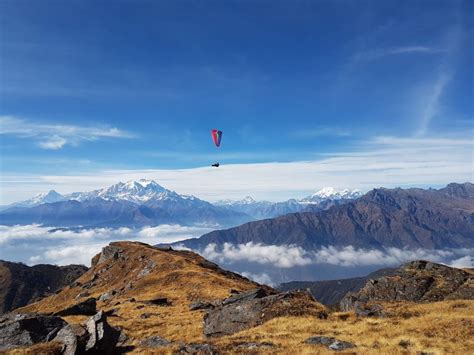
330,193
140,191
133,203
322,199
48,197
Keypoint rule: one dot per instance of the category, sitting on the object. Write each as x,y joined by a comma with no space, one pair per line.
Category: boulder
368,310
254,307
27,329
68,337
87,308
330,343
101,336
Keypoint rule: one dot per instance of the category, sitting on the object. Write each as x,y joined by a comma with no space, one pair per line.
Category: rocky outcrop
254,307
331,292
417,281
21,284
101,336
27,329
95,336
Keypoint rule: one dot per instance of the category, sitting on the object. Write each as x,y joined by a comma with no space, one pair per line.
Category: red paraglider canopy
216,137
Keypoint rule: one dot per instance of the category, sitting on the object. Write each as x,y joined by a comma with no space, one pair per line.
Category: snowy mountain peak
46,197
248,199
134,191
331,193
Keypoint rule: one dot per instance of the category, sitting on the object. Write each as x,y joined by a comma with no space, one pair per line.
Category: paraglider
216,136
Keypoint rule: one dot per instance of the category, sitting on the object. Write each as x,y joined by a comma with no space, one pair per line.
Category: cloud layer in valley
34,244
289,256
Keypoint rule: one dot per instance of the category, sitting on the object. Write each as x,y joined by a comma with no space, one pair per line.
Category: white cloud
350,256
56,136
280,256
262,278
287,256
54,142
39,244
464,262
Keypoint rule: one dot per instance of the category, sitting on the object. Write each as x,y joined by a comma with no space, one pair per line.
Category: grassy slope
442,327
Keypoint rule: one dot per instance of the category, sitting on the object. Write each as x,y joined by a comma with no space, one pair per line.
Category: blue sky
307,93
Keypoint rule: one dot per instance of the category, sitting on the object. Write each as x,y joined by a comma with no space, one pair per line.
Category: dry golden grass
439,328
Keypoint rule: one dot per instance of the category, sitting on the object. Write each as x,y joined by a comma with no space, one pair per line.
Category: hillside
166,301
401,218
21,284
416,281
330,292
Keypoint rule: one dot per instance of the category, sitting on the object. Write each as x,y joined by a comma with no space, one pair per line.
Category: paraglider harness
216,165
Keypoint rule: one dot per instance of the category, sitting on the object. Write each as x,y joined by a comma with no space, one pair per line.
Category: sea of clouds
35,244
268,264
288,256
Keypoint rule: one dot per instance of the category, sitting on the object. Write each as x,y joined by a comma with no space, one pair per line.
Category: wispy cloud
56,136
323,131
378,53
429,101
380,161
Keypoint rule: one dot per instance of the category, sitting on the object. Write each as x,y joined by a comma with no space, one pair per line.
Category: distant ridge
401,218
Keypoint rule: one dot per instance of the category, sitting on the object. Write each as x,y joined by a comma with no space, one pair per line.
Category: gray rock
339,345
196,305
330,343
154,342
368,310
320,340
107,295
27,329
102,337
245,296
87,307
253,308
111,251
68,338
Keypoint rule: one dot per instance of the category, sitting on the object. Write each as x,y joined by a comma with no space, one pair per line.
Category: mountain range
321,200
401,218
146,203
